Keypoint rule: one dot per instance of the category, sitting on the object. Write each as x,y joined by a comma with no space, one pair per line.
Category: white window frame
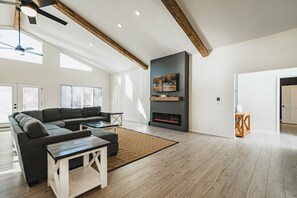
87,65
60,94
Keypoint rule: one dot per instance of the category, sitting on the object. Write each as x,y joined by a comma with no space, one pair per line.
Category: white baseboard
258,131
211,134
138,121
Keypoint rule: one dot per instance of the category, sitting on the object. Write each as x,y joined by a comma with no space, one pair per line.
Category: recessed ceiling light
137,13
119,25
91,44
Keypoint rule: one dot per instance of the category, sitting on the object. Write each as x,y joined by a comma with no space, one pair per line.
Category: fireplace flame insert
167,118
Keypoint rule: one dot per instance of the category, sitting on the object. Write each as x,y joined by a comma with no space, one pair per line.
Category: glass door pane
6,104
29,97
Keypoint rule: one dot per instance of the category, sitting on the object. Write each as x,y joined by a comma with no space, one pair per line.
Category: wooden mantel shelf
166,99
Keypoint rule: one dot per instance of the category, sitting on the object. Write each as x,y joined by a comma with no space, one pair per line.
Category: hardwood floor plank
241,182
142,191
258,183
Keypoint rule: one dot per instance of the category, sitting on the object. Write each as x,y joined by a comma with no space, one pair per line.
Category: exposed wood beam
16,19
91,28
182,20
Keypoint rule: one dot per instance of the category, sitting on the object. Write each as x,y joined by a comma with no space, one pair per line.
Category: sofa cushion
67,113
74,121
52,114
91,111
58,123
35,114
95,118
50,126
58,131
34,129
19,116
106,135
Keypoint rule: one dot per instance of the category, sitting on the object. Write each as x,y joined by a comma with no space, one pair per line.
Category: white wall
50,75
213,77
258,93
130,94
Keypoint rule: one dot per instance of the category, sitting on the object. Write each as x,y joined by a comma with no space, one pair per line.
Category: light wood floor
199,166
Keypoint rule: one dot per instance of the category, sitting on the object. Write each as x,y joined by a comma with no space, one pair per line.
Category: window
10,38
78,97
71,63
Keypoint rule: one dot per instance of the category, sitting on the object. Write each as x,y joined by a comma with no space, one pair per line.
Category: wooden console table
242,124
72,183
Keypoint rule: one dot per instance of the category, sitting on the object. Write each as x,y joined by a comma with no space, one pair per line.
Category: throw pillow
24,120
19,116
34,129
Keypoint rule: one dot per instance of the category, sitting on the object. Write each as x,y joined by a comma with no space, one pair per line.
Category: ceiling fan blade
9,48
32,20
43,3
29,48
10,3
7,45
34,53
48,15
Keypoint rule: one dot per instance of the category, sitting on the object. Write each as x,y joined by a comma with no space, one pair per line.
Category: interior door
29,97
289,104
8,102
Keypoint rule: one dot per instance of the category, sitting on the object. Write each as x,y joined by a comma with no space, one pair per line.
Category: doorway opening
288,105
259,94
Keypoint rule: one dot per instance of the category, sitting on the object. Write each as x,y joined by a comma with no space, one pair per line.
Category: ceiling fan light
19,52
29,9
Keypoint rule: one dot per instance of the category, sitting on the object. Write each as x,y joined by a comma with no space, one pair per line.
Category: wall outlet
219,100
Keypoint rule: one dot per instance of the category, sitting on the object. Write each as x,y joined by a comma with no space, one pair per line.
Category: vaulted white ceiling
155,33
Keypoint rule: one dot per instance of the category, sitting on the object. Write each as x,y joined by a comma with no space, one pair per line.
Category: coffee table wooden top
116,113
72,147
99,124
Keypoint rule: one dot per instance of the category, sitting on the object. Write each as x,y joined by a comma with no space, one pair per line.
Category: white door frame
278,104
16,96
20,95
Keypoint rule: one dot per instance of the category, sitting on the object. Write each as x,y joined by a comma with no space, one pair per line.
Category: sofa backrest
35,114
67,113
52,114
91,111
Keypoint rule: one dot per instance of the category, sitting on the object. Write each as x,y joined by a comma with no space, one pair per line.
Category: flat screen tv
165,83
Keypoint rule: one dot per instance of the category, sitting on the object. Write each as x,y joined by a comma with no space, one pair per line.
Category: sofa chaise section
32,153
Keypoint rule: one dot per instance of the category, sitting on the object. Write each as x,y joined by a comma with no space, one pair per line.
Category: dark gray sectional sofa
31,130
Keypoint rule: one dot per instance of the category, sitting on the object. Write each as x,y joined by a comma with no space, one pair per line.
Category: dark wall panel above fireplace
176,63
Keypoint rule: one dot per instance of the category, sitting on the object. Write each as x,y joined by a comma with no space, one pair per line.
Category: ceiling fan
32,7
19,49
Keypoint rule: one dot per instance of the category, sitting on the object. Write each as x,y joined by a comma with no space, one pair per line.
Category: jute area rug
135,145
